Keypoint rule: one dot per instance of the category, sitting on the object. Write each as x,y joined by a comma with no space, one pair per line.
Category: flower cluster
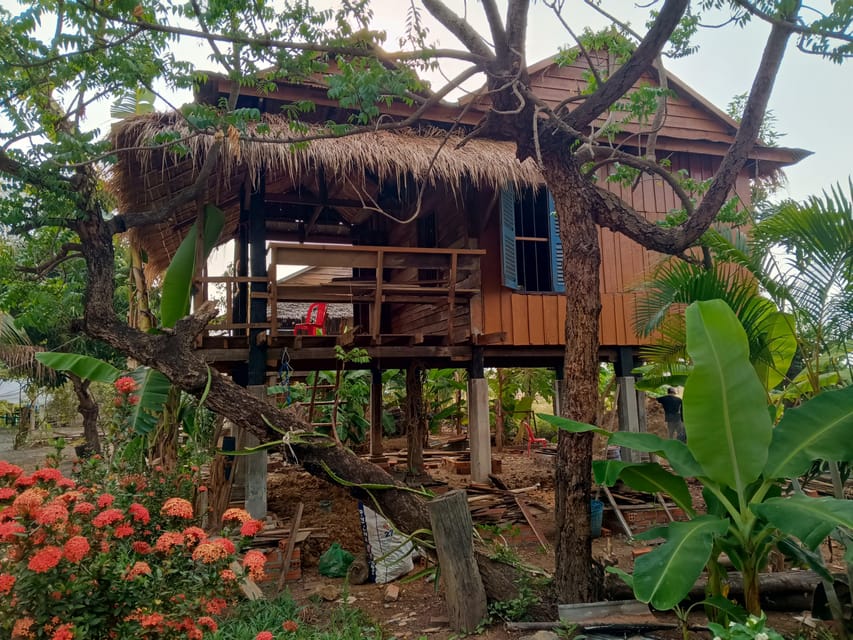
288,626
80,561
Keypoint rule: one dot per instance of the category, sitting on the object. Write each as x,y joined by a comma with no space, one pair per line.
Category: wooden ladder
324,395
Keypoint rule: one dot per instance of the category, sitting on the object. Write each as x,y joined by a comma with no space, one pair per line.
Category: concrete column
626,401
375,411
256,468
479,435
628,417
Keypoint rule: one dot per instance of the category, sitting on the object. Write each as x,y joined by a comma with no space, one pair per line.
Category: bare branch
67,251
516,20
459,27
300,46
677,239
496,26
795,28
122,223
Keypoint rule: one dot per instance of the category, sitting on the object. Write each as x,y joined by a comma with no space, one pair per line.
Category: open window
532,255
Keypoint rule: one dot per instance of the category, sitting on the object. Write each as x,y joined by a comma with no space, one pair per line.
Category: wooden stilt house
449,245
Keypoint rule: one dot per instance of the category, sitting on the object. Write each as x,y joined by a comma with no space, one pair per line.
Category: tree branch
122,223
795,28
67,251
677,239
301,46
624,78
516,20
495,26
459,27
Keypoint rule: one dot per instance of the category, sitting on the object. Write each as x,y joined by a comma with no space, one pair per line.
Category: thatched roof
146,179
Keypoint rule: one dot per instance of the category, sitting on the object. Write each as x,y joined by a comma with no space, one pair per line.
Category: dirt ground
419,610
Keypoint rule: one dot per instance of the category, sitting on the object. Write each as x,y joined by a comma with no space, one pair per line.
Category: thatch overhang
352,169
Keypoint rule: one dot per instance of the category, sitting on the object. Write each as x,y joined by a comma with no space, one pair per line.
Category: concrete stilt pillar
627,400
256,469
558,390
479,435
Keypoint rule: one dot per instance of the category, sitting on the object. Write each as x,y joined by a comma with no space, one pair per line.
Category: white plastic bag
389,553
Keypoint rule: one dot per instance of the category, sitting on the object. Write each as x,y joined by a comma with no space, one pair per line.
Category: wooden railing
385,275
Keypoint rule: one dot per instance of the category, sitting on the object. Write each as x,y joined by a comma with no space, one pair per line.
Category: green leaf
725,404
675,451
152,388
177,283
664,576
572,426
781,345
84,367
808,519
644,476
816,430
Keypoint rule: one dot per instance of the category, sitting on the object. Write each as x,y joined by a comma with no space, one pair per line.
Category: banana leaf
808,519
665,575
725,404
84,367
153,392
816,430
177,283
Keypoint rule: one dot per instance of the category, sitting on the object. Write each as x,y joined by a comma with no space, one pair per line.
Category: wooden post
416,427
256,468
558,390
376,416
479,436
452,530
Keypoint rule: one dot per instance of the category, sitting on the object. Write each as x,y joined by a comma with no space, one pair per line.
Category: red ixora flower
48,474
7,581
9,531
108,517
178,508
138,569
75,549
64,632
139,513
239,515
105,500
9,469
251,528
264,635
254,561
45,559
125,385
290,626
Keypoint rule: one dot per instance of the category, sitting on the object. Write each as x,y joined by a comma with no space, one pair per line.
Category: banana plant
742,461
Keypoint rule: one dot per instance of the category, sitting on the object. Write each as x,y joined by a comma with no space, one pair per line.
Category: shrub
77,561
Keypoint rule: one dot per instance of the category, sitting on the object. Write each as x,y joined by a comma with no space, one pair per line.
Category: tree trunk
88,408
415,422
574,580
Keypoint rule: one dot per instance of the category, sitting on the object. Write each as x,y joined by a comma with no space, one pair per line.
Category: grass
341,622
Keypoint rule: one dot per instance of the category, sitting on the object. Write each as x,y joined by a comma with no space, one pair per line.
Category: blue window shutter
556,247
509,263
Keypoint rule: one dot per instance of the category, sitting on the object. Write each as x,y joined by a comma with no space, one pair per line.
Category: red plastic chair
532,440
315,320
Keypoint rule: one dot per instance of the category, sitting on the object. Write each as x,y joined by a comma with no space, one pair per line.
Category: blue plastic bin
596,512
